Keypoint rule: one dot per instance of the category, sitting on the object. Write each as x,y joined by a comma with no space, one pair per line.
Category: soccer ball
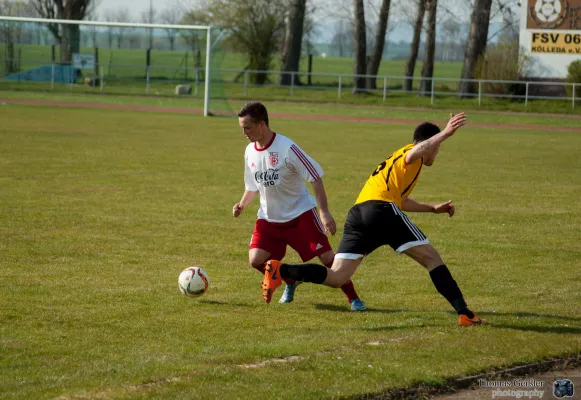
548,10
193,281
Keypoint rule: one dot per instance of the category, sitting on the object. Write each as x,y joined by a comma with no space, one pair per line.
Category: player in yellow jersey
377,219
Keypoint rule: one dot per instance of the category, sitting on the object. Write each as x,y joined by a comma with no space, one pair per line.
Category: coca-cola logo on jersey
267,178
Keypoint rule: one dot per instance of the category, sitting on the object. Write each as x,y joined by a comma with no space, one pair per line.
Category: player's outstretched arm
427,146
247,198
326,217
411,205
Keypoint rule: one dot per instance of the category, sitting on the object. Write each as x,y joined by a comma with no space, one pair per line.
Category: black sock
314,273
447,286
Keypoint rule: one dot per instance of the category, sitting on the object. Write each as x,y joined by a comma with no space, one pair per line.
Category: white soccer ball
193,281
548,10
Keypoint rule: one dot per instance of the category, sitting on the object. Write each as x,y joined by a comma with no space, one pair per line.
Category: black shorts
375,223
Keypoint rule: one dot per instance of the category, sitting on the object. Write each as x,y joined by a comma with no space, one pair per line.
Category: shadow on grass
540,329
224,303
528,320
528,315
346,309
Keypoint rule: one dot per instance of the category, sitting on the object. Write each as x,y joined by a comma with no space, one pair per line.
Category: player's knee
256,263
335,280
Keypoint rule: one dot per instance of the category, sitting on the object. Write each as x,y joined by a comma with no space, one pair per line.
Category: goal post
118,53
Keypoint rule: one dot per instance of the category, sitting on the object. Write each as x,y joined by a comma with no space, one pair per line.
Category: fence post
573,97
292,88
340,84
479,93
102,78
246,83
527,94
147,80
384,88
432,99
52,75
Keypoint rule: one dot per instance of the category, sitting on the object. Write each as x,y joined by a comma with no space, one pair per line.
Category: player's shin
314,273
447,287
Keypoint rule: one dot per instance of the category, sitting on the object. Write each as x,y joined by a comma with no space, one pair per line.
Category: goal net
177,64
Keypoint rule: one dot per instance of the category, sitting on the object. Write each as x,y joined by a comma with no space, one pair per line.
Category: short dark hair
256,110
425,131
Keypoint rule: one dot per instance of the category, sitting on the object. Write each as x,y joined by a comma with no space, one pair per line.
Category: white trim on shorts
409,245
348,256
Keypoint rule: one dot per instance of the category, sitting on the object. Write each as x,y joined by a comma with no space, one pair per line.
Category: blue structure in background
62,74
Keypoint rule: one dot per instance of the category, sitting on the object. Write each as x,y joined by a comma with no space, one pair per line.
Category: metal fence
132,77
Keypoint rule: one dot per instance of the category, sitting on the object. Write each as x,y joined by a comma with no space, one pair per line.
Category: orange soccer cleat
463,320
272,279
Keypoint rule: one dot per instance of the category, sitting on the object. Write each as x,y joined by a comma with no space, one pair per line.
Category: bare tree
149,16
253,26
360,40
476,44
343,39
451,31
67,35
291,50
410,65
11,32
379,44
117,33
171,16
430,53
92,29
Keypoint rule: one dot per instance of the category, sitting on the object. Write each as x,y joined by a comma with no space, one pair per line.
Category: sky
135,7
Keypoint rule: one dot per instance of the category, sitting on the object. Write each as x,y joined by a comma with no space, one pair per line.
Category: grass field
101,210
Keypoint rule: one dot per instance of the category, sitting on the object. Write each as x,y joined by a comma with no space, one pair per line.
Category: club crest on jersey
273,159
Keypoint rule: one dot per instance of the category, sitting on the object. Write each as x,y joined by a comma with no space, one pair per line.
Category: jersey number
379,168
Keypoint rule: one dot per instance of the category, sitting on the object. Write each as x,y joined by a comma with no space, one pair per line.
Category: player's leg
411,241
334,277
351,251
309,239
348,288
265,245
429,258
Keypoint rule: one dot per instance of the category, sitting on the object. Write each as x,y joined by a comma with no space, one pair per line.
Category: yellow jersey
393,180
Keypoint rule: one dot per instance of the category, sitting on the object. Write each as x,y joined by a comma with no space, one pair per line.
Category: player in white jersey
274,169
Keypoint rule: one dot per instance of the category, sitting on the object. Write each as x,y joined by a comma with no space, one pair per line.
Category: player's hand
446,207
455,122
237,209
328,222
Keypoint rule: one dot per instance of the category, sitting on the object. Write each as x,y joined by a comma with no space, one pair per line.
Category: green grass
103,208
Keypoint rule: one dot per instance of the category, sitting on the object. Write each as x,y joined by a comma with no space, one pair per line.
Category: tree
410,65
253,26
450,34
429,55
148,17
359,37
343,39
291,50
10,32
378,45
66,35
171,16
476,44
117,32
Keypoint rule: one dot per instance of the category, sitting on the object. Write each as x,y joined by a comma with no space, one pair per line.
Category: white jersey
277,172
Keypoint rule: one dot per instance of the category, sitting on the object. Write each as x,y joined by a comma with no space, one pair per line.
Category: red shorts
305,234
